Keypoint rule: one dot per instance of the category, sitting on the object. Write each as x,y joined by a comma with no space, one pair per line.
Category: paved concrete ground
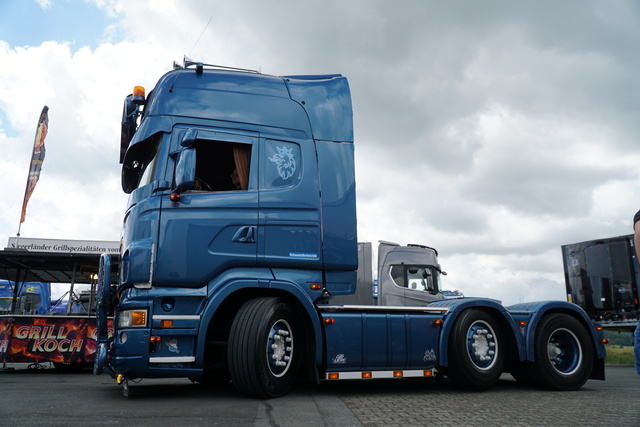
50,398
614,402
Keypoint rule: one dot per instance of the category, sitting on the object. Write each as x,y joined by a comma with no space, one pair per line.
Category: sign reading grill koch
64,246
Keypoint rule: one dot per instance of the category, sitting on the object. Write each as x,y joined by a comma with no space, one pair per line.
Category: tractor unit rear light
132,319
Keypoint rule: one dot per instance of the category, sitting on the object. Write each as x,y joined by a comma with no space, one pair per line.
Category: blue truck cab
240,229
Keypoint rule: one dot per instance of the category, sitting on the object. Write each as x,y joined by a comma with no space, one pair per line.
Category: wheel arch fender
456,306
225,299
537,310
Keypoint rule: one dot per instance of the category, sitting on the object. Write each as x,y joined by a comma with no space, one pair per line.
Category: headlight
132,319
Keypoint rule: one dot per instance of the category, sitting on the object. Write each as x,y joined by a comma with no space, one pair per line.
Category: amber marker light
604,341
155,339
397,374
315,287
522,323
138,95
428,373
138,318
599,328
366,375
334,376
329,321
166,323
437,322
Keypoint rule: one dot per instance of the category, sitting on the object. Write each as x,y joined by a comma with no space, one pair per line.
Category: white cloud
45,4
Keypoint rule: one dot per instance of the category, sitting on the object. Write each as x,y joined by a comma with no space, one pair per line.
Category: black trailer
602,277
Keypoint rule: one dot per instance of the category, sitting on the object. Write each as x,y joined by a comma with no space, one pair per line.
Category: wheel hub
564,351
280,348
482,345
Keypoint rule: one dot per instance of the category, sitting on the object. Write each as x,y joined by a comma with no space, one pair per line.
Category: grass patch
619,355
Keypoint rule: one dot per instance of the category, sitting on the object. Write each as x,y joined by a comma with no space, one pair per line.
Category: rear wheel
563,353
476,350
263,351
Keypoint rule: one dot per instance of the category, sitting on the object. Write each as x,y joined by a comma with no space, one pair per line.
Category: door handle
245,234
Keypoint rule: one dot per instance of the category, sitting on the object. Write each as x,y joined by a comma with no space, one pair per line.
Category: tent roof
26,266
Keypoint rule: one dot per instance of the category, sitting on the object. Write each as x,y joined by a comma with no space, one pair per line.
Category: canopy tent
19,265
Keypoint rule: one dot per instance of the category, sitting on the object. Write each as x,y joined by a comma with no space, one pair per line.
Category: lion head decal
285,162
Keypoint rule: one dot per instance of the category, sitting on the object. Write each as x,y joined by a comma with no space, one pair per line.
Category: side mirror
129,124
185,170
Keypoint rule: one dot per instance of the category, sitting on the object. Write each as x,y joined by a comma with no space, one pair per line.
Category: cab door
213,225
289,211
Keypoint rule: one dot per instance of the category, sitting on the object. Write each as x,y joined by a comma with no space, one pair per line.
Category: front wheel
263,351
563,353
476,350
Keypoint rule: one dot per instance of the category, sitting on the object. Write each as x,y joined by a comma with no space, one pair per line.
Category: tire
563,353
263,360
476,350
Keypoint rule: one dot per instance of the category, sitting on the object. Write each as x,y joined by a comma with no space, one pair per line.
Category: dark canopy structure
19,265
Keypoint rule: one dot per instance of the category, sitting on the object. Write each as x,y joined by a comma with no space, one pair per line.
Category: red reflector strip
357,375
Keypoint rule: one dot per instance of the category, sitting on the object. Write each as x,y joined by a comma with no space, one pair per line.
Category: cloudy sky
495,131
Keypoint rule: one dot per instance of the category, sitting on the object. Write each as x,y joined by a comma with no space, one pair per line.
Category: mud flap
103,298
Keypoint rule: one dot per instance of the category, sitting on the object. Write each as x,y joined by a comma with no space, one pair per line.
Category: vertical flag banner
36,159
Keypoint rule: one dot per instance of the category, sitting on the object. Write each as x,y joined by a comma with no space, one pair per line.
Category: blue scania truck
240,236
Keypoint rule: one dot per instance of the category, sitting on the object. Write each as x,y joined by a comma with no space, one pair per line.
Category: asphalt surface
46,397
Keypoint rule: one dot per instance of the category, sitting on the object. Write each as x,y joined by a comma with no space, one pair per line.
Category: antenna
203,30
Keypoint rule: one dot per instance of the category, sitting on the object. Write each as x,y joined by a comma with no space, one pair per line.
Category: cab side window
222,166
412,277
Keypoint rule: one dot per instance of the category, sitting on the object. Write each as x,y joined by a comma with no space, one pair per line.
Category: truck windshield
143,166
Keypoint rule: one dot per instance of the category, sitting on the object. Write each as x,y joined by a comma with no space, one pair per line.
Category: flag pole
37,157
